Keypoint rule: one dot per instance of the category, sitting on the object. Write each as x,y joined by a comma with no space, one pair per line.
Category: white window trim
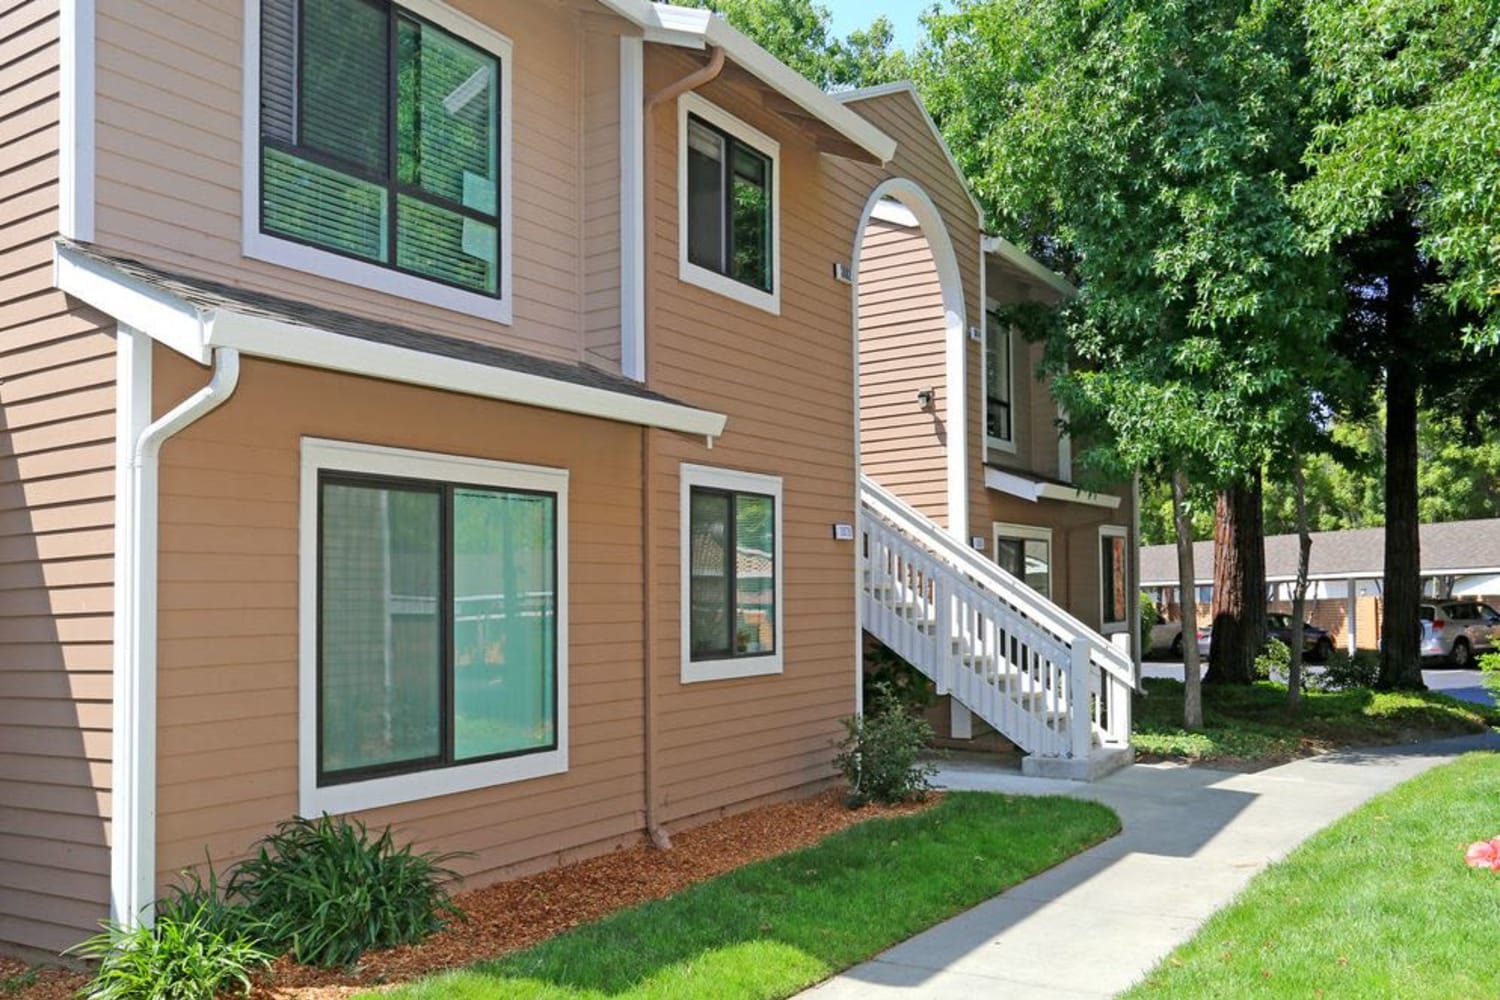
994,443
1027,532
319,454
701,276
325,264
1107,627
694,672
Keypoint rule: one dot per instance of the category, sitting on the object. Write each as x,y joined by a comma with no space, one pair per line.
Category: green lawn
1251,724
772,928
1378,905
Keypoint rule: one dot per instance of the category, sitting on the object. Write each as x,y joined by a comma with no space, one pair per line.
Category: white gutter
1036,490
1003,248
197,332
133,847
698,28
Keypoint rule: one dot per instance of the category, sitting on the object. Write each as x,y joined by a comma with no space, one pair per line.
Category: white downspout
133,849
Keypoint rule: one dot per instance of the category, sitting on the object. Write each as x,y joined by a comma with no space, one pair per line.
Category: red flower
1484,854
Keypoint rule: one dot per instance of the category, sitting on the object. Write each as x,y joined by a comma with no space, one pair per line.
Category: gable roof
1454,548
195,315
698,28
909,88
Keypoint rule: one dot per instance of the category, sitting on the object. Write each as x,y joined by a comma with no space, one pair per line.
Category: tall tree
1239,606
1148,148
1403,175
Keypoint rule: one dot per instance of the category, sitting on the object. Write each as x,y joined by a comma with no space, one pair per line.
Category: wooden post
1080,688
1353,624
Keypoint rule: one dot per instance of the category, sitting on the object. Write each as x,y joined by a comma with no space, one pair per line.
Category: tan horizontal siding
786,383
228,653
169,166
901,353
57,485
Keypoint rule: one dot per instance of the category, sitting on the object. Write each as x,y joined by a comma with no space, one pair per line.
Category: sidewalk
1095,924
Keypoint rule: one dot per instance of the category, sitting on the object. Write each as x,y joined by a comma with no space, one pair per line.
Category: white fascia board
135,304
1035,490
1070,494
1003,248
261,337
907,87
696,28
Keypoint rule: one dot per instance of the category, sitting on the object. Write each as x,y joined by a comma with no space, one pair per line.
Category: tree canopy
800,34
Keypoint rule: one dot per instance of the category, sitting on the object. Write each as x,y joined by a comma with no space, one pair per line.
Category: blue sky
849,15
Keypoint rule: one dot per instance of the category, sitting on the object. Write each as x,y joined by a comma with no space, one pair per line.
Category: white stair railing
1039,676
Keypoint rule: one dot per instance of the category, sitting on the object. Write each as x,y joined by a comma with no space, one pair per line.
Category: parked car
1317,644
1167,637
1457,631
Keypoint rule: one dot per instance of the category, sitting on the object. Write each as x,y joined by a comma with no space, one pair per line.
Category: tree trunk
1239,607
1299,599
1192,702
1400,663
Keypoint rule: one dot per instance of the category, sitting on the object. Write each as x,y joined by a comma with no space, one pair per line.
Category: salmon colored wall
227,748
57,429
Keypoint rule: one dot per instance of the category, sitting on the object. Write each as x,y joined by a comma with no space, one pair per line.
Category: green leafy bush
884,667
880,755
1489,663
1149,614
1275,659
182,957
326,892
1343,672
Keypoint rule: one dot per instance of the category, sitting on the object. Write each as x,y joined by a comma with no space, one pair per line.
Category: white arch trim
955,337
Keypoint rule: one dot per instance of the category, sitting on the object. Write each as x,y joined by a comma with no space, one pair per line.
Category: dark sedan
1317,644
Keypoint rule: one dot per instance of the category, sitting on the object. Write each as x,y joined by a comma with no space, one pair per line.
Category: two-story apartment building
458,414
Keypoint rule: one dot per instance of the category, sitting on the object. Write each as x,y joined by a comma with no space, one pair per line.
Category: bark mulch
516,914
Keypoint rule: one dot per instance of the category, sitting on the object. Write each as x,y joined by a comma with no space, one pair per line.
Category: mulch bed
516,914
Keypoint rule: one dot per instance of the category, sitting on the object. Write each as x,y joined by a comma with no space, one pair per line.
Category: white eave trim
697,28
1035,490
195,333
999,246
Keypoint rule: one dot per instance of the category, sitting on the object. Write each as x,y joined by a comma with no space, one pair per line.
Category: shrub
880,753
182,957
326,892
1149,615
1489,663
1274,659
884,667
204,904
1343,672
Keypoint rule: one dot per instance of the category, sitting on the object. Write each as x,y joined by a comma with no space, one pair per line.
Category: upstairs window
381,139
728,205
999,430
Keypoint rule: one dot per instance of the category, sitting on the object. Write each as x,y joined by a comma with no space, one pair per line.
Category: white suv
1458,630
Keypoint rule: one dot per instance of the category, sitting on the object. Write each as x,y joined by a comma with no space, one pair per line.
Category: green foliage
799,33
1408,103
186,955
775,927
205,904
880,755
1149,149
1489,663
1275,659
1253,725
1149,614
893,674
20,981
1343,672
326,892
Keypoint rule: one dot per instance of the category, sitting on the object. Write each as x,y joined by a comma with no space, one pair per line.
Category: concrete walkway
1095,924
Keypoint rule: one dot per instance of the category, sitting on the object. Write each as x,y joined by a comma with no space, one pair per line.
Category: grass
1251,725
18,982
775,927
1380,904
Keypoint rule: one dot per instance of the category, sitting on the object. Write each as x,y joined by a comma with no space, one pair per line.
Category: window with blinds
380,139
